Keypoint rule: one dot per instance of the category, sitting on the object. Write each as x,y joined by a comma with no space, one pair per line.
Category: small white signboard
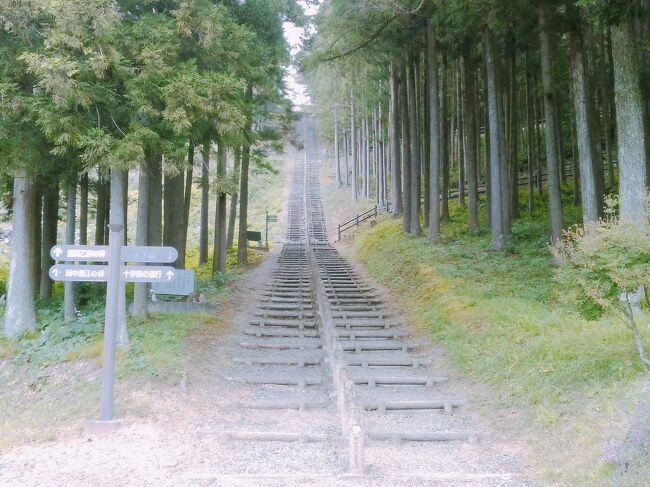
182,285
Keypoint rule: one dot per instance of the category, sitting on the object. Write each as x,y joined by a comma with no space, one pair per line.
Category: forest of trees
423,97
90,90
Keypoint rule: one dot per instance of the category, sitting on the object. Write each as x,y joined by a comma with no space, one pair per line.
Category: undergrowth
507,322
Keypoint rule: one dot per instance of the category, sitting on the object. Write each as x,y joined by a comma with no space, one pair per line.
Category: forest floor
571,389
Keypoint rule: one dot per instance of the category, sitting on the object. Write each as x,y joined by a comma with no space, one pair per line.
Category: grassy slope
505,323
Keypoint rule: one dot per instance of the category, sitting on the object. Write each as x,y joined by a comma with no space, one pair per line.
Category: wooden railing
362,217
453,193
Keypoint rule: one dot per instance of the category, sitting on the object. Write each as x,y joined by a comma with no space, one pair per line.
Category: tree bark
50,222
588,156
346,149
396,166
242,249
100,216
69,311
434,134
205,202
154,236
513,137
83,209
552,164
460,136
531,139
37,238
604,79
444,143
355,163
141,290
406,145
220,237
632,150
125,205
187,201
414,227
19,311
496,212
337,156
469,113
232,217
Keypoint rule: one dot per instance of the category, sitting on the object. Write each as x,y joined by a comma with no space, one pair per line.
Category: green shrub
607,266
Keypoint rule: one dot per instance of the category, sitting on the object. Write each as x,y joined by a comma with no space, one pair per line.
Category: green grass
506,323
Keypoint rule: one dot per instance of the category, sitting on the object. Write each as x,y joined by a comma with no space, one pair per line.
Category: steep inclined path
333,378
316,381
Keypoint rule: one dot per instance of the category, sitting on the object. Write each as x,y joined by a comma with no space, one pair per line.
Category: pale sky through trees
297,91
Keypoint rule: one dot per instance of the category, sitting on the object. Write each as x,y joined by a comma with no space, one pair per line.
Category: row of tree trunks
533,115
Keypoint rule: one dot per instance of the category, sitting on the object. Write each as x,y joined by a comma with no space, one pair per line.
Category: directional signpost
113,272
269,219
99,253
99,273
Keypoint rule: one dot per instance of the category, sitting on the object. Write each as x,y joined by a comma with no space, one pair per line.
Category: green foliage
55,339
606,265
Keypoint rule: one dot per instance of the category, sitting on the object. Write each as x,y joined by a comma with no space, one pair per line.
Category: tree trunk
460,137
632,151
37,238
220,237
513,137
504,119
232,217
434,134
444,143
588,157
187,201
125,205
19,311
575,163
469,113
539,145
346,149
406,145
205,202
337,156
141,290
50,222
552,165
426,142
242,249
486,132
531,139
496,212
355,163
154,236
604,79
396,167
414,227
83,210
169,195
100,216
69,311
118,212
